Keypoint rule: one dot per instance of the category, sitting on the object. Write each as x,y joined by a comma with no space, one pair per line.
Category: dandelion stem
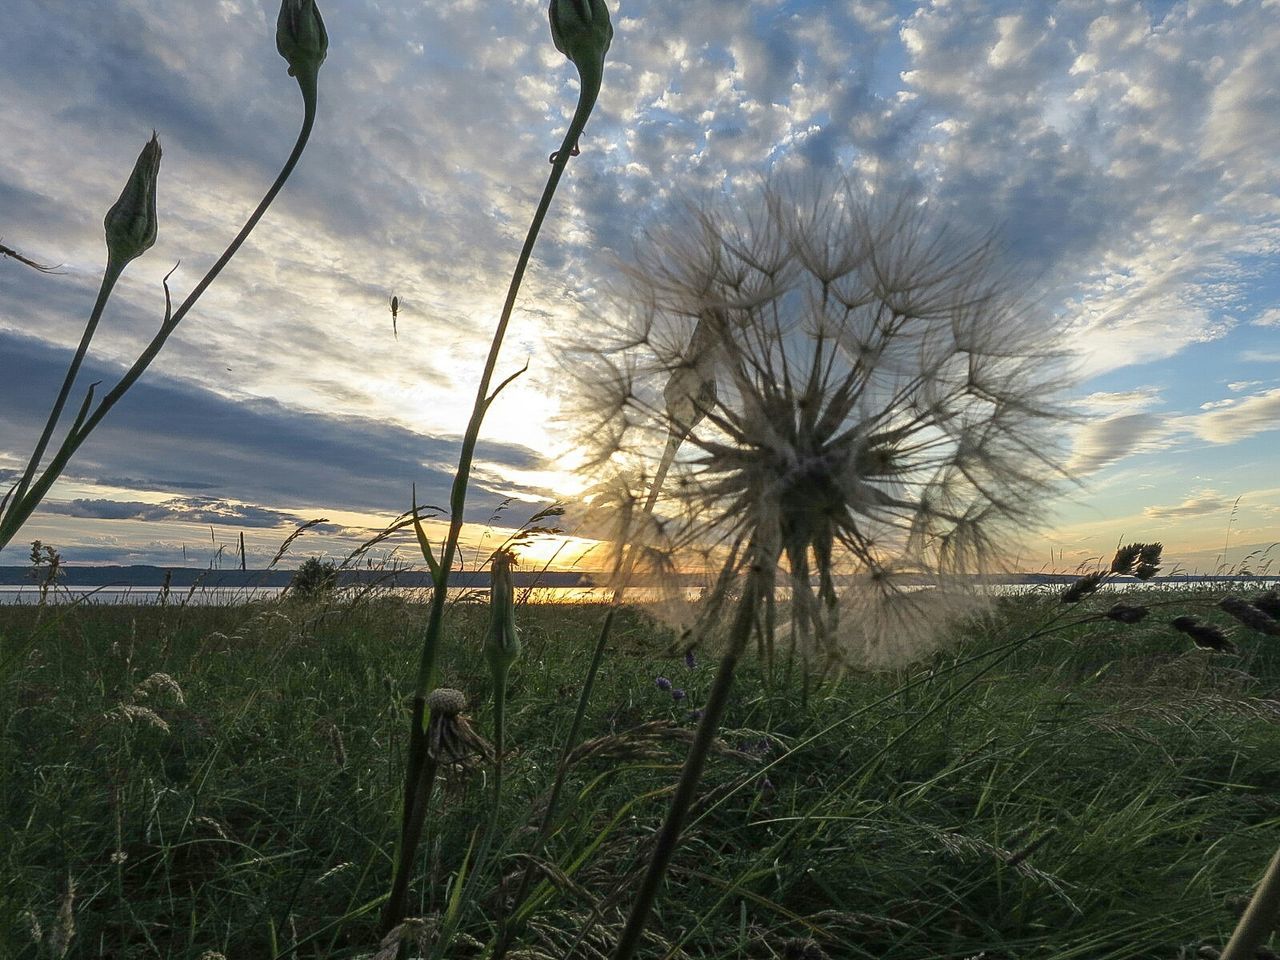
1259,920
718,698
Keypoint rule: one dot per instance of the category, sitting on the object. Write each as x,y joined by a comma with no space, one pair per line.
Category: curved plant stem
109,278
458,495
21,508
395,905
1259,920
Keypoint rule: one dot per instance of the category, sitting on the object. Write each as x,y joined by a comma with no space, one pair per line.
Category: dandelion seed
882,425
875,429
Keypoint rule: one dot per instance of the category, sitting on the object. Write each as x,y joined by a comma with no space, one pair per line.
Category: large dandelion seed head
834,393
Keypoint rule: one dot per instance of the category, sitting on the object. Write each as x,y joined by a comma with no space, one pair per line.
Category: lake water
25,594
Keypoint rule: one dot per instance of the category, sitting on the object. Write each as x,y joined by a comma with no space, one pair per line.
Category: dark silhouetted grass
1104,792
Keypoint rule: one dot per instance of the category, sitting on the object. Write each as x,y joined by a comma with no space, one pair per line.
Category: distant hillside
148,576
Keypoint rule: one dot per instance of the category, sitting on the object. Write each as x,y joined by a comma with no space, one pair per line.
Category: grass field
1101,791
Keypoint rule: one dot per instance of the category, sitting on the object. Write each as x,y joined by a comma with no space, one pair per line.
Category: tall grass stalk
664,845
587,49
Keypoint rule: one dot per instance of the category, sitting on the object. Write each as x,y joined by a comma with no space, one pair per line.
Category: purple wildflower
690,660
695,715
663,684
677,694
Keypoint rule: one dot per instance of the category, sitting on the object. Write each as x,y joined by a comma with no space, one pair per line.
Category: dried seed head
1269,603
131,713
131,223
32,923
802,948
1207,636
1250,615
1086,585
1148,561
160,683
1125,558
412,930
1127,613
446,702
450,737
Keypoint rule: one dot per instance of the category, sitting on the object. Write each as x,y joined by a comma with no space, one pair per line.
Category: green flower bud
301,37
131,222
502,645
581,30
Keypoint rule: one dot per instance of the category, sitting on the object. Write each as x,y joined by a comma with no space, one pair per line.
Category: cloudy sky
1124,153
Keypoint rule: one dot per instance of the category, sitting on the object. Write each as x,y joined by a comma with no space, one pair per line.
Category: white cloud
1132,401
1246,418
1103,442
1268,318
1197,505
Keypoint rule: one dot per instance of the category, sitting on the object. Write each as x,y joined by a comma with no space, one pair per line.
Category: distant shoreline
184,577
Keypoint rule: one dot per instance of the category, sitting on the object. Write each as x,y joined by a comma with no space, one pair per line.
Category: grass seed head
1269,603
1083,587
1125,559
1207,636
64,925
1127,613
1250,615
